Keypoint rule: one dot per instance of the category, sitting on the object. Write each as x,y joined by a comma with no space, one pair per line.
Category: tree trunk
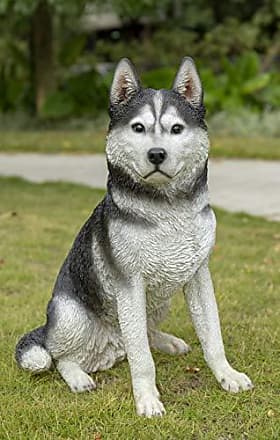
177,9
42,54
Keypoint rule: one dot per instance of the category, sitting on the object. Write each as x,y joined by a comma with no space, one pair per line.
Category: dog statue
151,235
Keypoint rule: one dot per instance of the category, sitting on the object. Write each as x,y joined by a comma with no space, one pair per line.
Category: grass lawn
85,141
37,226
53,141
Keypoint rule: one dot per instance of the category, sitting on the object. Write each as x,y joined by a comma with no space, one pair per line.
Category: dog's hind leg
167,343
75,377
78,341
163,341
31,353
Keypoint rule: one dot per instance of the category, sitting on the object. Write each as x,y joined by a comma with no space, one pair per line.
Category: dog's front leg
202,303
131,302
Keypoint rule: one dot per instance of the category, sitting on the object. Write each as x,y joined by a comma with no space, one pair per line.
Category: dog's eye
138,128
177,129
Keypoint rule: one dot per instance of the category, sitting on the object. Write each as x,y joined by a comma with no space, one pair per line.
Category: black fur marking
193,116
51,316
126,215
122,114
125,183
78,276
103,238
35,337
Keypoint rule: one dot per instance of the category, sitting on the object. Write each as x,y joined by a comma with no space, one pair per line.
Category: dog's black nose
156,155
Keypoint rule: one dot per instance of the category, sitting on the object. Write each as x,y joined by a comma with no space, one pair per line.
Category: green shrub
159,78
14,80
80,95
238,84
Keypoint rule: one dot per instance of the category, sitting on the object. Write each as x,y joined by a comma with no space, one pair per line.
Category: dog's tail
31,353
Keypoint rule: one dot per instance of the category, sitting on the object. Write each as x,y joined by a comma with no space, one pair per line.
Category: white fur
168,343
145,117
36,359
75,377
148,403
204,312
158,102
81,337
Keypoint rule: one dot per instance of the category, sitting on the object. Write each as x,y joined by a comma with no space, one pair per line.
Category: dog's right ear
187,82
125,83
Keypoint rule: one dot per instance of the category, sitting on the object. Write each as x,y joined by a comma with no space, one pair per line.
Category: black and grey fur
151,235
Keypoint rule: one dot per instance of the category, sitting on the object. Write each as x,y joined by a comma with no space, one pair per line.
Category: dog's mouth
158,170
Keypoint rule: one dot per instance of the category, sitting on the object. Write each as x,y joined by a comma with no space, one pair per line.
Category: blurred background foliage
57,56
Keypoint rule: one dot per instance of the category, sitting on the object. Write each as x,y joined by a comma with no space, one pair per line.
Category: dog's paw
169,344
234,381
81,382
75,377
176,346
149,405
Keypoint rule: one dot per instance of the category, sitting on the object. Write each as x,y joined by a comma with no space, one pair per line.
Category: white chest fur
173,251
170,251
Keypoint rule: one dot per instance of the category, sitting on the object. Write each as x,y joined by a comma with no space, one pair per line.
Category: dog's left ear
187,82
125,83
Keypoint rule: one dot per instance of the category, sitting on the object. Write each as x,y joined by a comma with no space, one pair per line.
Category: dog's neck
189,196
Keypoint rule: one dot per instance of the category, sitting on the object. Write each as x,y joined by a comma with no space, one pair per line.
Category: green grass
37,226
86,141
53,141
245,147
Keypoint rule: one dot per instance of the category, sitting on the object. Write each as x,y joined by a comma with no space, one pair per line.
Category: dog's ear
125,83
187,82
